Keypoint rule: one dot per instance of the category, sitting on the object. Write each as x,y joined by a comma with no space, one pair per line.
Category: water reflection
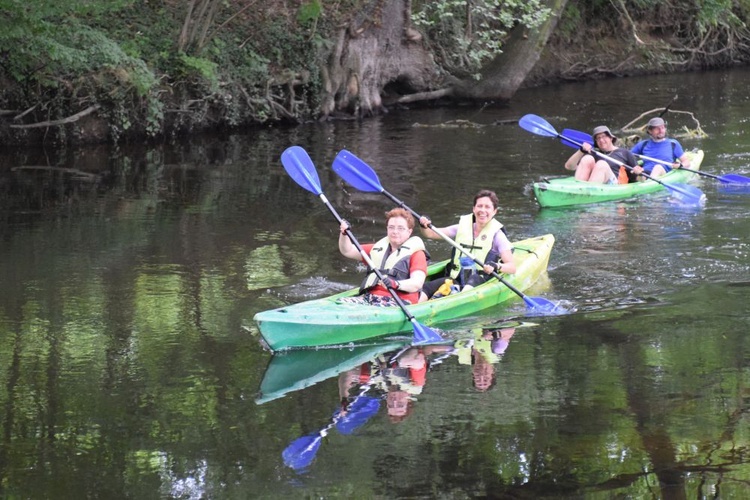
124,370
366,375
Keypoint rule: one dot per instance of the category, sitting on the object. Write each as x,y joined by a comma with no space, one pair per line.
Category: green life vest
392,264
479,247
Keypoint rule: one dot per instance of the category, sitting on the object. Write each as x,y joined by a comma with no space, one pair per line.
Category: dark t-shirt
620,155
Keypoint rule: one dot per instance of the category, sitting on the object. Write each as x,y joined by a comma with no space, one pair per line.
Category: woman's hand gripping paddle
538,125
360,175
300,167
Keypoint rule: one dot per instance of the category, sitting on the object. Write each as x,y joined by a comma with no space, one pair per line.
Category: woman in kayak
400,257
482,236
592,167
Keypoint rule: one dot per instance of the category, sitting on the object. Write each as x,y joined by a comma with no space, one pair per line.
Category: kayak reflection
371,377
295,370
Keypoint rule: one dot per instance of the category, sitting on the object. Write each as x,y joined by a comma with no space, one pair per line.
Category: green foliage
188,65
46,54
720,13
471,34
309,12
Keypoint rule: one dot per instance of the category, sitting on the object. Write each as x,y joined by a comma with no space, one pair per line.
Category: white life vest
392,264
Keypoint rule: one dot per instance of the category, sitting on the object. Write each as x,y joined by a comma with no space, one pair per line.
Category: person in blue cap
659,146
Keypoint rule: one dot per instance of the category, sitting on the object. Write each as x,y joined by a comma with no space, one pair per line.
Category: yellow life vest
478,345
479,247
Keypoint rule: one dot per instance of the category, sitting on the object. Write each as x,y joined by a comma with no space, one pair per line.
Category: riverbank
101,85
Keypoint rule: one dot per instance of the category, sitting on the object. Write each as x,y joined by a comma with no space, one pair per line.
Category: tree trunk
505,74
378,56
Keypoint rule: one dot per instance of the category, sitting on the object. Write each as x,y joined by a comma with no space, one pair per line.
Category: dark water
130,366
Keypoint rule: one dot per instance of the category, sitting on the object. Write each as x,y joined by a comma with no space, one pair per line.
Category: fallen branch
64,121
21,115
73,171
425,96
631,126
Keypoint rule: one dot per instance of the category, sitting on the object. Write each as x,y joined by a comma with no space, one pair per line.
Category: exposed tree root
53,123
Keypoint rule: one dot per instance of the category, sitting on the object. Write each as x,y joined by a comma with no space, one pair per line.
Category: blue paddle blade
356,172
734,188
301,452
357,414
424,334
537,125
574,138
301,168
688,194
734,179
540,306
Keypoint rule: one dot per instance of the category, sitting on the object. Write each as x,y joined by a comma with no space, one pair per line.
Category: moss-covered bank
130,70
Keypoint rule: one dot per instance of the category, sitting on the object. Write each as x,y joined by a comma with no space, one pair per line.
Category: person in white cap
592,167
660,147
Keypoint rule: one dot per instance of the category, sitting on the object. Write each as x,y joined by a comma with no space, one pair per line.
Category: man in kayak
400,256
658,146
484,238
592,167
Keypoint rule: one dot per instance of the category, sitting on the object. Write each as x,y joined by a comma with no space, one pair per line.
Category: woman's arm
346,247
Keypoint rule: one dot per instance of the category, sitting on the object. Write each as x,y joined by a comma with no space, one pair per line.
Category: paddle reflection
397,376
372,377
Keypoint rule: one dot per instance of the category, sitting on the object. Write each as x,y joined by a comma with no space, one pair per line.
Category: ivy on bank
154,68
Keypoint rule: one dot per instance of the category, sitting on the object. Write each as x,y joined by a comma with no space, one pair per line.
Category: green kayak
568,191
325,321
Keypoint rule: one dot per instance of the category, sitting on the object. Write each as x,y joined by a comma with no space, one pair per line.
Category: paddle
727,179
301,452
359,174
300,167
576,135
666,108
538,125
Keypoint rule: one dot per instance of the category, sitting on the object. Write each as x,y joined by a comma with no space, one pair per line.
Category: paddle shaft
456,245
657,160
668,106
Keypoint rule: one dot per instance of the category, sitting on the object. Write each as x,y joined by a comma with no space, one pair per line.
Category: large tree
467,49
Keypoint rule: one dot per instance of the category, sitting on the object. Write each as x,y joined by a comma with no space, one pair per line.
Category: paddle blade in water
687,194
538,306
301,168
301,452
734,179
734,188
356,172
574,138
424,334
537,125
357,414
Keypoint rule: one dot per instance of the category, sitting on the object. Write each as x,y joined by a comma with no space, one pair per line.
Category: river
130,366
